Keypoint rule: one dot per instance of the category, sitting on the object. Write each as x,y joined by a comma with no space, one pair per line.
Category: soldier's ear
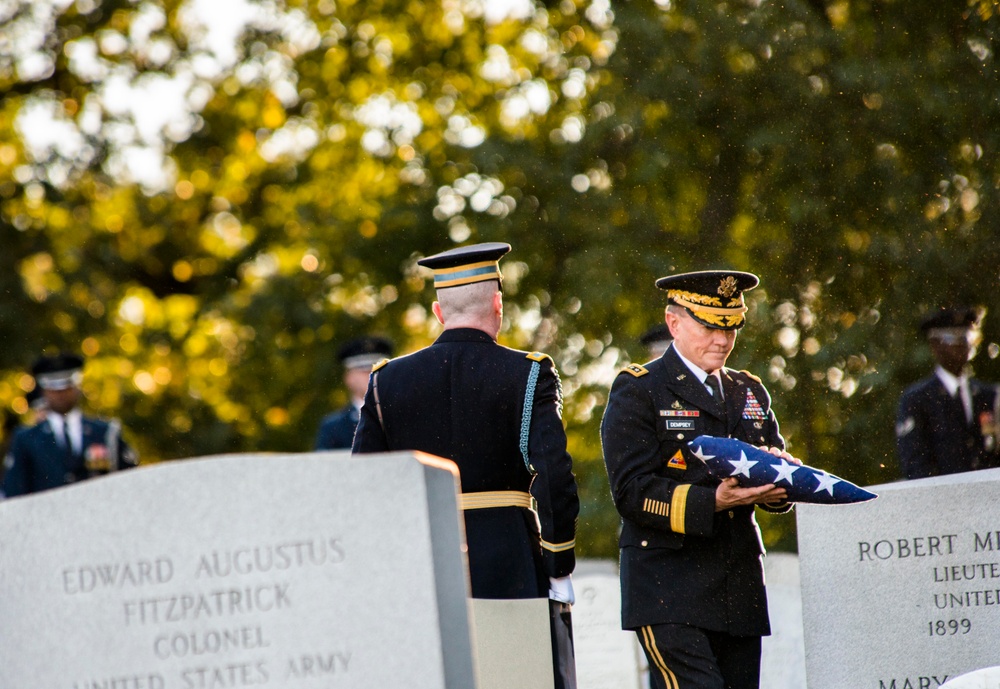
671,319
436,308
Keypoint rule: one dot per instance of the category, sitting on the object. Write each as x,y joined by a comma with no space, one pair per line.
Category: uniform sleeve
774,439
369,436
127,457
17,474
634,460
913,439
323,439
554,485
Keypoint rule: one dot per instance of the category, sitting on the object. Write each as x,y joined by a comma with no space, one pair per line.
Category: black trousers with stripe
684,657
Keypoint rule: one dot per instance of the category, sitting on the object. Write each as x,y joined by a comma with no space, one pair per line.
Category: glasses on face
970,338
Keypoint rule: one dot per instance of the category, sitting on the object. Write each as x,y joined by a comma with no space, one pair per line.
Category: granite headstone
987,678
783,654
284,571
902,592
607,657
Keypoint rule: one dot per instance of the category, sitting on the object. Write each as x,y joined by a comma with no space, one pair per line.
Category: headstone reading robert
902,592
284,571
606,656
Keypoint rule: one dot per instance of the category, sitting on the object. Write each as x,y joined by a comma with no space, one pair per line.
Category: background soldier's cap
713,297
950,319
466,264
657,339
364,352
58,372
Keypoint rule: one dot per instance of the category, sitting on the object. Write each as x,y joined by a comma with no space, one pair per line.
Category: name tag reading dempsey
686,423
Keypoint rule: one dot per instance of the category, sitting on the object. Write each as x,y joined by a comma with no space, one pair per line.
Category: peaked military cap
713,297
466,264
657,339
364,352
59,372
960,318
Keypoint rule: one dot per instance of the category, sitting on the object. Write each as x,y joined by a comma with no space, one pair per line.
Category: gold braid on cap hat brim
702,306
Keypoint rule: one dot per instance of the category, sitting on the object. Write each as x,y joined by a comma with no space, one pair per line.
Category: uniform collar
950,381
696,370
464,335
74,417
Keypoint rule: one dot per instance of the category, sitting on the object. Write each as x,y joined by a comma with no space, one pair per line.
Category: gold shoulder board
750,375
538,356
379,364
636,370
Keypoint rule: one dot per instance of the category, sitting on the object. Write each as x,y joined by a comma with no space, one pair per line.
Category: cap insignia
727,286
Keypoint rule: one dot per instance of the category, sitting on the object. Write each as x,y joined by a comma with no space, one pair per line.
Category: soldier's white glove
561,589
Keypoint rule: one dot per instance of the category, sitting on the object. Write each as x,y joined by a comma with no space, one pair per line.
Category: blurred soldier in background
64,446
656,340
336,430
947,422
495,412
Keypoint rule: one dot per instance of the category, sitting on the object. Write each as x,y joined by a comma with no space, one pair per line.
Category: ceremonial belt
494,498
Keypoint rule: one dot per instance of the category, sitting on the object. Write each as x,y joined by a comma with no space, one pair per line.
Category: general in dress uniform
66,446
336,430
495,412
691,551
947,422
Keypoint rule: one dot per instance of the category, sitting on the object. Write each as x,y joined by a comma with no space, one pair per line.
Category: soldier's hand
778,452
730,494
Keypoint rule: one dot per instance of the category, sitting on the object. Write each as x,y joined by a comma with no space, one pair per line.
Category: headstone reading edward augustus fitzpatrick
902,592
278,571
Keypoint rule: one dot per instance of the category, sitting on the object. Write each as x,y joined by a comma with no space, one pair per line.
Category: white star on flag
784,472
697,452
826,482
742,466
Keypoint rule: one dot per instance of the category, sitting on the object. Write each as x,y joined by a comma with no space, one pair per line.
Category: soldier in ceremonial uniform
656,340
947,422
65,446
495,412
691,567
336,430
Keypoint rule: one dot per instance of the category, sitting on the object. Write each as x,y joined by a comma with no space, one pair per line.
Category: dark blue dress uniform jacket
336,431
37,462
932,436
681,561
463,398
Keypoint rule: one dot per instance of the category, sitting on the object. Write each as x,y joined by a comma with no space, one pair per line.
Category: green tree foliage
207,217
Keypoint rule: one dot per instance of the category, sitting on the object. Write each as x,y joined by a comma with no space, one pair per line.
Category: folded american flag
752,466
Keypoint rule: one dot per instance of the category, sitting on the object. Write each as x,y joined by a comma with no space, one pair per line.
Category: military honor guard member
691,552
947,422
656,340
65,446
495,412
336,430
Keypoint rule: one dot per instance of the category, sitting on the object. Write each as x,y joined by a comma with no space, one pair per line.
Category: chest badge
677,461
753,410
